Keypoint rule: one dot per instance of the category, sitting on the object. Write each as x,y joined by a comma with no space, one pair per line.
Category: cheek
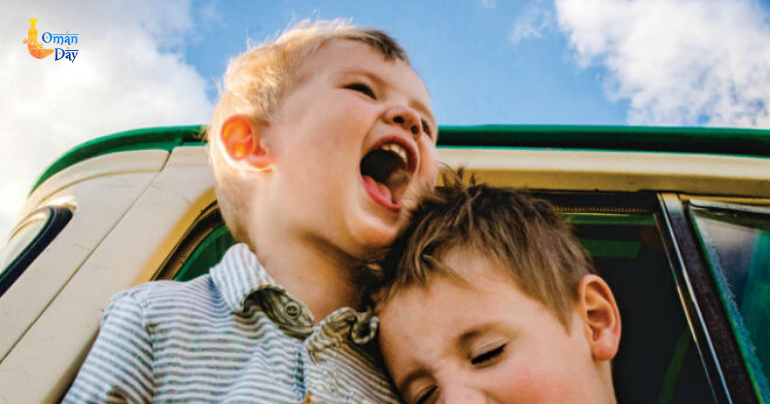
390,353
340,140
394,350
354,116
341,129
429,163
329,143
539,373
531,382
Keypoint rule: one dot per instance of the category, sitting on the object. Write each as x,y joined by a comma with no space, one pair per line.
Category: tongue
378,188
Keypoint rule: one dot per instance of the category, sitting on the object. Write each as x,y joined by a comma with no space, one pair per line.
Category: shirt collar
238,275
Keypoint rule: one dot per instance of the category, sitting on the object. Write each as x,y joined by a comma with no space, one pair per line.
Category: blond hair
256,82
523,234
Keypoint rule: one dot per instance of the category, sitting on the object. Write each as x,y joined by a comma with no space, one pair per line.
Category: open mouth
386,171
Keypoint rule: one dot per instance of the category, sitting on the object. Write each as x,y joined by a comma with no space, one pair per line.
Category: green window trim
609,219
207,254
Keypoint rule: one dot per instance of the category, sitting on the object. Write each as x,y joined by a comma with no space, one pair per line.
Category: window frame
57,218
699,209
705,312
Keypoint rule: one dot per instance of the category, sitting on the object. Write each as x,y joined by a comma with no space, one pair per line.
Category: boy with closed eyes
486,298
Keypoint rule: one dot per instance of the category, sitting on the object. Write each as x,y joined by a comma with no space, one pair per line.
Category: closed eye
363,89
488,356
426,396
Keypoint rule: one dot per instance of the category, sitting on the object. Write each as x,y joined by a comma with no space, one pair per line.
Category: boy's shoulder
221,292
238,272
158,296
148,293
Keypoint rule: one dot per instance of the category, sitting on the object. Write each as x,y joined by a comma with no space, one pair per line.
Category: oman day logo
39,50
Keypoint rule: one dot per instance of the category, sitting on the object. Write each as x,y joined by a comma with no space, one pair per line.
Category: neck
318,275
605,375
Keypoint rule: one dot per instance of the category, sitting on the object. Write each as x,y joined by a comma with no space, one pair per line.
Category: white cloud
534,22
129,73
678,62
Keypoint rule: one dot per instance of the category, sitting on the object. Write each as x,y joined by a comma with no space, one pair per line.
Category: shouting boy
318,141
486,298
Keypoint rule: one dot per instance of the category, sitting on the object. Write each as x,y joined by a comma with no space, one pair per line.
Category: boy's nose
460,394
406,118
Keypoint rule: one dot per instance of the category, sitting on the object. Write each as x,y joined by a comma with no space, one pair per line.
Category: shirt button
292,310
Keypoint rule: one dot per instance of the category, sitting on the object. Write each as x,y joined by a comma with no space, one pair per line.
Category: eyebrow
464,340
414,103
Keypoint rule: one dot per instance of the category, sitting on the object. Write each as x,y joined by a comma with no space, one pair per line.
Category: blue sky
145,63
475,73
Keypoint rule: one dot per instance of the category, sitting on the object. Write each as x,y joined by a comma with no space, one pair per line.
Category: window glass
736,243
21,239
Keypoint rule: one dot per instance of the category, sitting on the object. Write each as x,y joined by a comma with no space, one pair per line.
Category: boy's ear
601,317
242,142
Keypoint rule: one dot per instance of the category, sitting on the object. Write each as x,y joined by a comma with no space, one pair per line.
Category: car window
203,246
207,254
21,239
26,243
736,242
658,360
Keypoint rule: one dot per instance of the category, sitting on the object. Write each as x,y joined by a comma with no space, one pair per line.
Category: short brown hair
508,226
257,81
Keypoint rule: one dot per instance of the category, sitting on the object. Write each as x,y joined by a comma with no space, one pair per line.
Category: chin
379,238
372,228
375,237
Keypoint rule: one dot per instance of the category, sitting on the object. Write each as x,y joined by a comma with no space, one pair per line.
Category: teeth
397,149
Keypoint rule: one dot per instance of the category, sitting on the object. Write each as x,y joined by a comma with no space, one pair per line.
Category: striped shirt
233,336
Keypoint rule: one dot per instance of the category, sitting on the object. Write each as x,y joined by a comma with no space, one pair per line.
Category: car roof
719,141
